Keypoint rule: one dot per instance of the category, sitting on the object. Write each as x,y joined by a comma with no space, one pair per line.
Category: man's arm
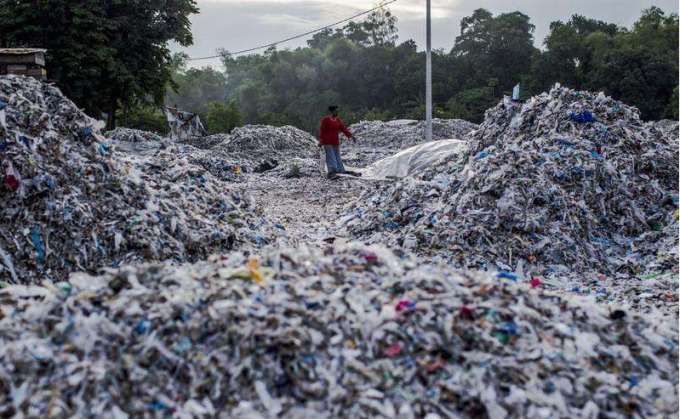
347,132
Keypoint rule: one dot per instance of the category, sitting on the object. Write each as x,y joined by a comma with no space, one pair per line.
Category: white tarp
412,160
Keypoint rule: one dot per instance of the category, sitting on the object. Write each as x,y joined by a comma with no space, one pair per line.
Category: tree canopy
105,55
637,65
362,68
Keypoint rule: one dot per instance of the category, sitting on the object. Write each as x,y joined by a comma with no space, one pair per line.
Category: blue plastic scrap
582,117
37,242
143,326
507,275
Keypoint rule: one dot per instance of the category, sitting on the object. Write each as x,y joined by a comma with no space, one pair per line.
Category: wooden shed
23,61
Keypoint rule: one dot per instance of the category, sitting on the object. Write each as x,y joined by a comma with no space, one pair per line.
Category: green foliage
491,47
195,88
573,49
367,115
114,55
638,66
647,81
222,118
145,119
361,68
381,26
471,104
276,119
104,55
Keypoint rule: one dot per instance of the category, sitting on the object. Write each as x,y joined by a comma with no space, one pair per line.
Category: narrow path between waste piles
306,207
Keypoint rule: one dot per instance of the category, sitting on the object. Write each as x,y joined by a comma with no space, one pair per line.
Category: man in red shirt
329,139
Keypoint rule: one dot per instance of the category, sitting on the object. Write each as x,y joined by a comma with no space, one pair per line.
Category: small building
23,61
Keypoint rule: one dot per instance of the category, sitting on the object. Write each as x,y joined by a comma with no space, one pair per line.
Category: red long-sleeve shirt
329,131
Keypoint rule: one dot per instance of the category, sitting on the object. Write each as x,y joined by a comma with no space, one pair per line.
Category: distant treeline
113,59
361,68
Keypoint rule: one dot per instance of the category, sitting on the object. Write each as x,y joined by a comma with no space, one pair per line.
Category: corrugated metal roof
21,51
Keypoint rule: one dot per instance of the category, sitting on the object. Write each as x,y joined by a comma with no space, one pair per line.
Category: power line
297,36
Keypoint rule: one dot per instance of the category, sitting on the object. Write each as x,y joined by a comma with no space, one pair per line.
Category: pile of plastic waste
669,127
205,143
404,133
353,332
249,149
133,135
221,165
377,140
72,202
264,141
568,181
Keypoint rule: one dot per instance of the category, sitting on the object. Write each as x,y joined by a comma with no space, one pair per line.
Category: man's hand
320,144
355,140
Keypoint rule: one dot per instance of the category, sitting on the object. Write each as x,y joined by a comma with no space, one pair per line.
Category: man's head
334,111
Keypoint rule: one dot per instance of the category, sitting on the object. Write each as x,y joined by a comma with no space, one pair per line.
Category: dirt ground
307,207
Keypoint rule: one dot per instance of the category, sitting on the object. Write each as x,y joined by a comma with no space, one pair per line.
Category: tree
363,70
379,28
222,118
638,66
145,119
637,77
498,47
356,33
572,51
321,39
656,32
194,88
104,55
78,53
471,104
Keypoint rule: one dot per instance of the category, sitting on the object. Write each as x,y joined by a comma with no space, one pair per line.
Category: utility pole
428,75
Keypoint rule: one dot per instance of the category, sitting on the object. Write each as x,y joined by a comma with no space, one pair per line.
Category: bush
145,119
276,119
417,112
367,115
222,118
470,104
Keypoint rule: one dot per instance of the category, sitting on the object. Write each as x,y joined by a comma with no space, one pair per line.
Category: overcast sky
241,24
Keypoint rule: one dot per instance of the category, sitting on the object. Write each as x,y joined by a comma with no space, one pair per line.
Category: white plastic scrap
353,332
546,191
73,201
248,149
